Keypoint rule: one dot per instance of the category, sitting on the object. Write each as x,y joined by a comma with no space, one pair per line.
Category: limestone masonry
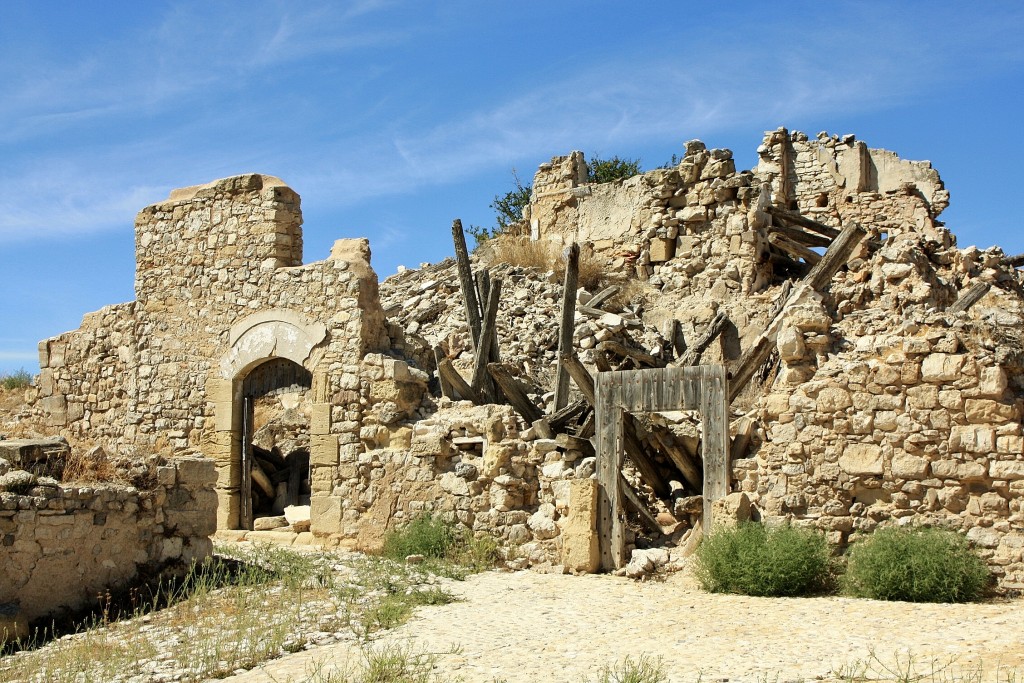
888,396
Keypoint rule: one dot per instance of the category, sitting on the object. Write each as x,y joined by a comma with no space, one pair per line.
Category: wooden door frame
703,388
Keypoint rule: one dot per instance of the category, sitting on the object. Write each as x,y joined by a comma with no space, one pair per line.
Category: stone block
320,419
731,510
196,472
987,411
861,459
325,515
219,390
227,509
941,367
225,417
662,249
1006,469
832,399
580,544
432,443
909,467
323,450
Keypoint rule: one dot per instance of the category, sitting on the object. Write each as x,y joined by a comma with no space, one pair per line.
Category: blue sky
392,118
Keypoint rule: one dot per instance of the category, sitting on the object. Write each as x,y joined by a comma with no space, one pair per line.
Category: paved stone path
526,626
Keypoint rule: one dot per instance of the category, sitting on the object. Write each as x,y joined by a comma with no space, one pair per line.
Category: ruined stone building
886,397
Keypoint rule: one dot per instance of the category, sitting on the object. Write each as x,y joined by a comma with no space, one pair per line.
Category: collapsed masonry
887,391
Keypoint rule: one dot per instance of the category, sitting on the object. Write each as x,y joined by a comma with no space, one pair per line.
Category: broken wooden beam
580,375
446,387
969,297
793,248
560,418
639,357
603,296
799,235
634,502
575,443
818,279
688,466
835,257
713,330
1013,261
567,324
446,372
515,393
469,297
803,222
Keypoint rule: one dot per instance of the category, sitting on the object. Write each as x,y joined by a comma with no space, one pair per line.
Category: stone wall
64,544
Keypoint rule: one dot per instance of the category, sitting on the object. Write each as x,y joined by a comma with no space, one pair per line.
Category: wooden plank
542,428
481,385
794,249
513,390
835,257
610,521
462,389
446,386
803,222
587,427
623,351
969,297
469,298
800,236
633,502
748,364
567,324
711,332
714,414
603,296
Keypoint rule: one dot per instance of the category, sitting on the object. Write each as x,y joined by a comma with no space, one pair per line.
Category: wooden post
610,521
714,415
482,383
835,257
466,281
565,329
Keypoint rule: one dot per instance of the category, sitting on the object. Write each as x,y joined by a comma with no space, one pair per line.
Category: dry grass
91,466
546,256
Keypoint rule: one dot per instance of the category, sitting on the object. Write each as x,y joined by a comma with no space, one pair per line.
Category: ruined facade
880,403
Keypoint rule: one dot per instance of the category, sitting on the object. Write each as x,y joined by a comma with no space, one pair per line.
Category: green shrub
916,565
754,560
16,380
427,535
606,170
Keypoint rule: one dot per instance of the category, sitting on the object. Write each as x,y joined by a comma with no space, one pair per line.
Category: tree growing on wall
508,211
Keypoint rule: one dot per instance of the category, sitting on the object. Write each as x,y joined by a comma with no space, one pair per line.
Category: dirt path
527,626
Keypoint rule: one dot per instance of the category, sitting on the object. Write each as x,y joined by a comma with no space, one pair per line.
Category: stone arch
277,333
254,341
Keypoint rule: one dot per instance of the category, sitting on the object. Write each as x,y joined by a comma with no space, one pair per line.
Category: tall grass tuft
915,565
752,559
20,379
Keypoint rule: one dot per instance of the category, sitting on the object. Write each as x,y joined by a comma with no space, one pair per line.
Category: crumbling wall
208,257
86,538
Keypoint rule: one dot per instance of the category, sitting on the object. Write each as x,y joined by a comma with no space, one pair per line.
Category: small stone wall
65,544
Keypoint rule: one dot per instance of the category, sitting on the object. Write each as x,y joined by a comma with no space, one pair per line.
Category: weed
425,535
641,670
755,560
916,565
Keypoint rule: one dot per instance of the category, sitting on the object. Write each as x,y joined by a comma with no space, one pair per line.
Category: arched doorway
275,410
